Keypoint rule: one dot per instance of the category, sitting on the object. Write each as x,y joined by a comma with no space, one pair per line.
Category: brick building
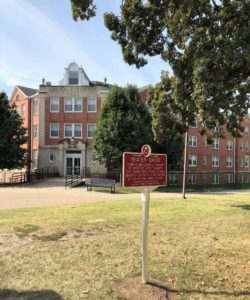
61,120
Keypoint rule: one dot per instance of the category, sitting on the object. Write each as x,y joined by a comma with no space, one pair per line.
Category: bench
101,182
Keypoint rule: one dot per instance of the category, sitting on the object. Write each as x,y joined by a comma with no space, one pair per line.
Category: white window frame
241,162
215,161
216,128
192,160
246,147
191,179
92,111
229,162
229,145
230,178
73,125
204,160
35,131
172,178
23,108
54,137
241,178
77,72
90,124
192,141
73,103
241,146
35,107
216,144
246,131
58,103
215,179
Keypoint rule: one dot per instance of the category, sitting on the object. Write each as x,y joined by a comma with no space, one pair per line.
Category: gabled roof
27,91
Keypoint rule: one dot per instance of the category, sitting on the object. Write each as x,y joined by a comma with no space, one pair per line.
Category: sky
39,39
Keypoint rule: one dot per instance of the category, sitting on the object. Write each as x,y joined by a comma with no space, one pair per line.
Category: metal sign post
145,197
144,171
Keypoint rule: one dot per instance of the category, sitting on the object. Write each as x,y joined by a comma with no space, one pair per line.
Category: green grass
199,247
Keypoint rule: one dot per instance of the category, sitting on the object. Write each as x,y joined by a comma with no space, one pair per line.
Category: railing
34,175
74,180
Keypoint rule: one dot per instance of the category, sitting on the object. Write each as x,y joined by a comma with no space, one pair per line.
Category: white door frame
73,155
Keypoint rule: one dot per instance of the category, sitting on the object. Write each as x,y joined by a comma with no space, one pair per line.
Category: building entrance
73,164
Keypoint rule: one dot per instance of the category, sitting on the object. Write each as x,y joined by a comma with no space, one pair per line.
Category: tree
207,45
12,136
124,125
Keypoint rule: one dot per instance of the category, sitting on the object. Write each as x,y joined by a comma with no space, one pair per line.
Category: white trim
53,137
90,138
73,105
72,130
92,98
54,111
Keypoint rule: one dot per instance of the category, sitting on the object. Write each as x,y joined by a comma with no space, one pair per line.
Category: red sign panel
141,170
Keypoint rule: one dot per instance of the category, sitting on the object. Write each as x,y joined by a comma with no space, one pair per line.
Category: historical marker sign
144,169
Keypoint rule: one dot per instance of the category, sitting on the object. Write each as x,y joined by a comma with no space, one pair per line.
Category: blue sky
39,39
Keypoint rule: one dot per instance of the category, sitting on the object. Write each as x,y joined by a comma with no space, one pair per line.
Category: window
215,178
192,141
246,161
241,162
91,104
191,179
241,146
216,144
216,128
230,178
215,161
229,145
51,158
241,178
54,104
54,131
247,131
172,179
72,105
91,129
204,160
246,147
17,97
192,160
194,123
229,161
72,130
35,107
22,110
35,156
35,131
73,77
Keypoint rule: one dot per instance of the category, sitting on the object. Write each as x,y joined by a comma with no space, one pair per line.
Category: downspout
29,140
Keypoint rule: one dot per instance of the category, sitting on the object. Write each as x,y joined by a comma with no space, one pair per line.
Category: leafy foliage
12,136
207,45
124,125
83,10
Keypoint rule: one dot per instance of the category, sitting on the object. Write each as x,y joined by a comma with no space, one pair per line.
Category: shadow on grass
242,206
200,292
10,294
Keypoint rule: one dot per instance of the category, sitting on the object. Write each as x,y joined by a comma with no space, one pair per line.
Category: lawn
199,249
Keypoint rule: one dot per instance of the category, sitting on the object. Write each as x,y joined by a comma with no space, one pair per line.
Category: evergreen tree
12,136
124,125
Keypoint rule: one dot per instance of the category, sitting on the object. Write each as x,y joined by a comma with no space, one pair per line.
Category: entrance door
73,165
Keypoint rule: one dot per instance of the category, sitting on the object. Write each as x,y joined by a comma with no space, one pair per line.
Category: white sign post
145,197
145,172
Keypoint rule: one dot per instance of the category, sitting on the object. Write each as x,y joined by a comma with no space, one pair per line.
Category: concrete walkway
51,192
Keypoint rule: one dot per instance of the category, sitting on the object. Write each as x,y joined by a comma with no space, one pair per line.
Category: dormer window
73,77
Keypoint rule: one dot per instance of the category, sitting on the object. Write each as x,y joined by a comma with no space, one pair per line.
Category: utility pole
185,166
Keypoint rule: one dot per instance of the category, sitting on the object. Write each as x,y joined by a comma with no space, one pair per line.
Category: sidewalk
51,192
